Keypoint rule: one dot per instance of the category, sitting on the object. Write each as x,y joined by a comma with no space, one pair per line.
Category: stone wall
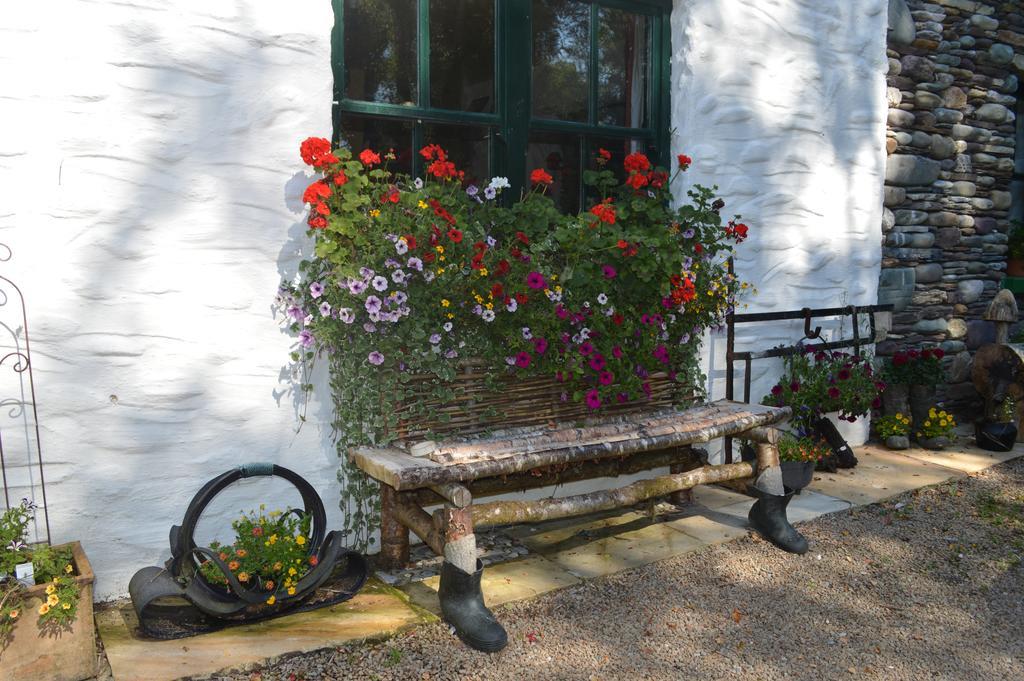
953,81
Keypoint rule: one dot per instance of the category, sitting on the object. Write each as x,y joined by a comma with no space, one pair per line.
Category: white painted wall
150,189
781,103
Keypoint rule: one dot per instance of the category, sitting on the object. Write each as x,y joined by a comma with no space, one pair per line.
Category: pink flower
608,271
597,362
833,392
593,399
540,345
617,352
586,349
535,280
523,360
606,378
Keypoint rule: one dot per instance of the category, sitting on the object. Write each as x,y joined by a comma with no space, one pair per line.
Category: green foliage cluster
271,551
891,425
51,566
802,449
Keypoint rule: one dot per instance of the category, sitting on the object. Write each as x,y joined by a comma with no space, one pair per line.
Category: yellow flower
440,258
440,271
43,609
266,543
439,249
489,306
478,298
65,606
291,591
68,569
52,600
931,412
50,588
243,576
374,213
450,315
942,422
445,302
300,540
422,204
927,424
273,539
271,600
292,571
482,271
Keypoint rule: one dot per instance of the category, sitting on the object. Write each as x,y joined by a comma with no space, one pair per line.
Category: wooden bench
454,473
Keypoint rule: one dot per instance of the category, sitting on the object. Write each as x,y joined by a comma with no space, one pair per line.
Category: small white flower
447,327
428,276
380,283
513,305
308,320
401,247
602,299
584,333
527,334
418,183
488,315
498,183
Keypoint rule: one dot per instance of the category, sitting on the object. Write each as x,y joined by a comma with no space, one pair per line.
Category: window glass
561,39
467,147
380,51
622,49
381,135
462,55
559,155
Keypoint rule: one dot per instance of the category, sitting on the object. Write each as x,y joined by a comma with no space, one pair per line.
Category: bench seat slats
504,454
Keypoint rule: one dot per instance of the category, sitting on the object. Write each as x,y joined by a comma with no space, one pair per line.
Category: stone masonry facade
953,82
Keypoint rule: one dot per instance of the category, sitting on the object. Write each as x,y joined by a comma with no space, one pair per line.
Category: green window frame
511,121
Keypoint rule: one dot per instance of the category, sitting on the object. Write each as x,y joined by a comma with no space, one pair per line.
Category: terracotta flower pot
68,655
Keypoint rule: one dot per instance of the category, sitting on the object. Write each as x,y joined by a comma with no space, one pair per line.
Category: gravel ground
929,584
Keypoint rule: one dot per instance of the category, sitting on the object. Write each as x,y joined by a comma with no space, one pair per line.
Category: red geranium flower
455,235
540,176
684,161
317,222
313,149
605,212
522,237
603,156
316,192
637,181
369,158
323,208
341,178
636,162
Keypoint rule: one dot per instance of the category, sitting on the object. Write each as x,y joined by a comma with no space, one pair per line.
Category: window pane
561,39
559,155
467,147
462,55
622,50
380,50
380,135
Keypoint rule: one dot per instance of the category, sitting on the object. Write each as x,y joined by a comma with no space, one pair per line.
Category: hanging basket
209,606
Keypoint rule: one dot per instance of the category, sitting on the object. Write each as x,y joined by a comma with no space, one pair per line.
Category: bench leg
394,537
462,601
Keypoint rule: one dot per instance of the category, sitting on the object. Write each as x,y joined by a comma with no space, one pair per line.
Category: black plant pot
797,475
995,436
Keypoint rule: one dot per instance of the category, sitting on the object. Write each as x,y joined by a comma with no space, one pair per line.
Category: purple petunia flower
325,309
491,242
415,264
316,289
597,362
586,349
511,361
606,378
540,345
295,312
451,354
391,263
535,280
368,327
601,299
355,287
380,283
428,276
398,276
366,273
608,271
399,297
490,193
435,338
372,304
688,234
447,327
306,338
346,315
512,305
472,190
401,247
527,334
375,358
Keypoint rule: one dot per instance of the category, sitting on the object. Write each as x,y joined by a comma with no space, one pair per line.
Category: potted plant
1015,252
920,371
894,429
936,431
46,626
798,457
998,433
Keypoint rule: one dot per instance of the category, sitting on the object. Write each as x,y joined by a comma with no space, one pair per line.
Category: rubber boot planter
768,517
462,606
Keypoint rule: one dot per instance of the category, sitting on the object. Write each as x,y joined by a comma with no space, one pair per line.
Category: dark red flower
523,238
938,353
833,392
455,235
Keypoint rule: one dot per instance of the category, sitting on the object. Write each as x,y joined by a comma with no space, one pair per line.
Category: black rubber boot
768,517
462,606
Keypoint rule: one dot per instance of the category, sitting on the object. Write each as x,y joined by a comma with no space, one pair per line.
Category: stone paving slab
962,456
805,506
880,474
377,610
617,552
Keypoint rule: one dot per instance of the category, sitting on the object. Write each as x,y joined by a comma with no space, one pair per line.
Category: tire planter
213,606
995,436
68,655
797,475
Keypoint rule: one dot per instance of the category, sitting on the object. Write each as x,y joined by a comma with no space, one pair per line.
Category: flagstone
618,552
963,456
512,581
879,475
